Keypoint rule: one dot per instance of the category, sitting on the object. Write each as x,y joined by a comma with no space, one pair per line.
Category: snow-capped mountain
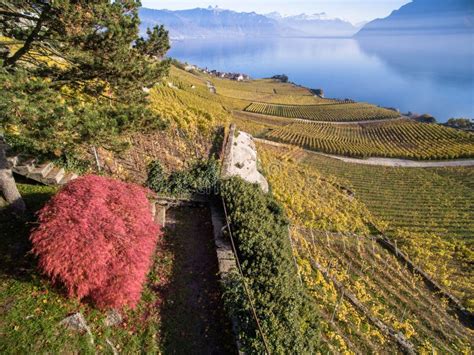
215,22
317,25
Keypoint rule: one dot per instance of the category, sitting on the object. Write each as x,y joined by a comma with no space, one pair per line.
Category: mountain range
215,22
416,17
316,25
425,17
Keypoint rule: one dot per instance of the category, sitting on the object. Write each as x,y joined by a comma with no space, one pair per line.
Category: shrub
284,308
201,177
97,237
156,180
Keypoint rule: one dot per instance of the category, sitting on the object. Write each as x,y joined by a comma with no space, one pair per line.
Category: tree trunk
11,61
7,183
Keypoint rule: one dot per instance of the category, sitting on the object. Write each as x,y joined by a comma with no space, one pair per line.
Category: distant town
219,74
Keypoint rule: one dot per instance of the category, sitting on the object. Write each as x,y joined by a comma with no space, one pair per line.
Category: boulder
242,160
113,318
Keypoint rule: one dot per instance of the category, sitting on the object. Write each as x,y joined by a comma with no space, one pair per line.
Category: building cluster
218,74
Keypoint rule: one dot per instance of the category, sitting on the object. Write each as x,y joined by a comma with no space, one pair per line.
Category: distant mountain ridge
425,17
317,25
214,23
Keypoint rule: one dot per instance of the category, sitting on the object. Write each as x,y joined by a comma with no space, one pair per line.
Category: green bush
156,180
201,177
284,308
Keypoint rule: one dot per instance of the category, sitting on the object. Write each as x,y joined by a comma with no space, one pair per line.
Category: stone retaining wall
240,158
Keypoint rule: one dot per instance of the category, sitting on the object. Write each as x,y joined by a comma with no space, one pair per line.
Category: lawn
31,308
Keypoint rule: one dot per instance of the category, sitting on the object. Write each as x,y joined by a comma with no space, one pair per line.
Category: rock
77,322
114,350
113,318
242,160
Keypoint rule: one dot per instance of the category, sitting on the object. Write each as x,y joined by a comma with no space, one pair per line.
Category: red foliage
97,236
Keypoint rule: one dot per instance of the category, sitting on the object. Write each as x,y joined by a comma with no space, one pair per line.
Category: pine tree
75,72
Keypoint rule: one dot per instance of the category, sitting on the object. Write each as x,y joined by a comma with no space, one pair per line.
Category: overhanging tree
74,72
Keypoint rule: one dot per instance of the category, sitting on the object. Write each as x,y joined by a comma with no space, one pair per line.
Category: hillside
425,17
315,268
362,294
154,248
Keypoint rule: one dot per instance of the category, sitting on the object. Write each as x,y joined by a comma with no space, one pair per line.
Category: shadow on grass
193,319
15,259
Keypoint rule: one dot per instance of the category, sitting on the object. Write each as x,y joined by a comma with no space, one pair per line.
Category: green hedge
201,177
285,310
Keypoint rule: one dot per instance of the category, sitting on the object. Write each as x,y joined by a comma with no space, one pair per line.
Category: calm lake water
425,75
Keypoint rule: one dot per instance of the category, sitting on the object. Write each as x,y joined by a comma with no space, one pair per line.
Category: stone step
13,160
46,173
68,177
40,171
54,177
22,165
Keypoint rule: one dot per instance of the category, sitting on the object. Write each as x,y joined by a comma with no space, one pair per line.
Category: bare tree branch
10,61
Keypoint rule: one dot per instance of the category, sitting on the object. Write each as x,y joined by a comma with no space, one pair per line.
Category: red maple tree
97,236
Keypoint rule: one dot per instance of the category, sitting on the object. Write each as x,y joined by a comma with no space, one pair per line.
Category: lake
419,74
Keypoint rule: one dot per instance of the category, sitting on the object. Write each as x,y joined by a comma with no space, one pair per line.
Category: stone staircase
46,173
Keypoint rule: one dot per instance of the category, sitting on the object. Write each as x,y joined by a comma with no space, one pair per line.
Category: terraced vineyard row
429,211
267,86
274,98
397,139
389,292
335,111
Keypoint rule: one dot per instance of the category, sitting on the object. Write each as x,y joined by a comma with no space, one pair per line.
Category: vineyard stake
96,156
403,315
294,258
337,306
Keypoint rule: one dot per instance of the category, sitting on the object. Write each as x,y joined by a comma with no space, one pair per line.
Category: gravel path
193,319
383,161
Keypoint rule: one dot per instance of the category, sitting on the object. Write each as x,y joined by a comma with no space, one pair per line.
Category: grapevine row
397,139
332,112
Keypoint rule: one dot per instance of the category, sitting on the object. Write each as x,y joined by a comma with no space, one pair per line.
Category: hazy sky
353,10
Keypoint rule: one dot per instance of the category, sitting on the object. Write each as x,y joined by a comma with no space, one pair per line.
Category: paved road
383,161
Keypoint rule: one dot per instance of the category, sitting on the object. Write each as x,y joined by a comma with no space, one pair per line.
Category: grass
179,312
31,307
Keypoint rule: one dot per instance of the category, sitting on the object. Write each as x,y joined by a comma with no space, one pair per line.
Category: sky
352,10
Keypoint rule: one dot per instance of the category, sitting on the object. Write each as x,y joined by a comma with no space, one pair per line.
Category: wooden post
337,306
294,258
96,156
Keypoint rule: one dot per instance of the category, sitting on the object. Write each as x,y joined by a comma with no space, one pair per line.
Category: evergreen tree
75,72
